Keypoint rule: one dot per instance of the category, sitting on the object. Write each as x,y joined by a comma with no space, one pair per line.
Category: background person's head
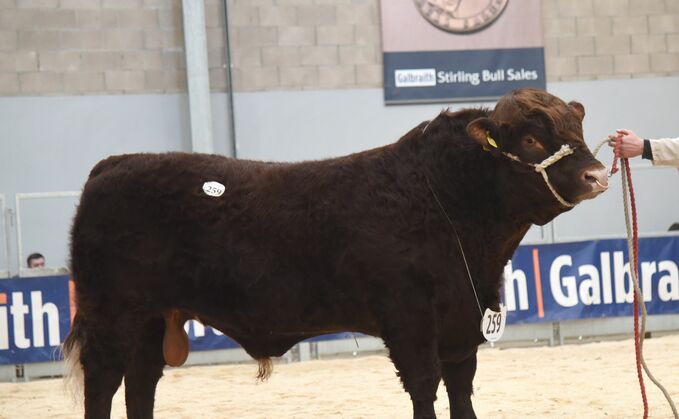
35,260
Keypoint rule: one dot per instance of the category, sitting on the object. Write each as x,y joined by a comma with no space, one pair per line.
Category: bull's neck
486,222
489,231
476,187
476,194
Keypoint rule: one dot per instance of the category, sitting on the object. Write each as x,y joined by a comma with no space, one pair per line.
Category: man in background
35,260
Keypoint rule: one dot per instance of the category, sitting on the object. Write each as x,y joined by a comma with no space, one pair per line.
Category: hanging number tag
213,188
493,324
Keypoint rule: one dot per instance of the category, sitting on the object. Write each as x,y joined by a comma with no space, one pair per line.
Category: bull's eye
530,141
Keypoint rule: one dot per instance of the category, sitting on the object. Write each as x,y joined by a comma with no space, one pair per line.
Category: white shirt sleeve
665,151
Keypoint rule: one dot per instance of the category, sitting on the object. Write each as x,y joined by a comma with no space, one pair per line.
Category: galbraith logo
419,77
589,284
426,77
36,312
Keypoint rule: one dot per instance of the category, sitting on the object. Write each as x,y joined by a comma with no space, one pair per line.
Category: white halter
541,168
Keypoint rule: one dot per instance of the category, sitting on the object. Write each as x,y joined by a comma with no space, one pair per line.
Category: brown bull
290,251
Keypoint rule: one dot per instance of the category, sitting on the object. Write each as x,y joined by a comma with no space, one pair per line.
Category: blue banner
543,283
460,51
202,338
590,279
427,76
34,318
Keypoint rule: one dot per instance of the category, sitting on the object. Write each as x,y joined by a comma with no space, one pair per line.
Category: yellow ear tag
490,141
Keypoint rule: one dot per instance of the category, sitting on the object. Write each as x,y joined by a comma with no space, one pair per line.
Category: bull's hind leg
121,344
103,368
144,369
458,377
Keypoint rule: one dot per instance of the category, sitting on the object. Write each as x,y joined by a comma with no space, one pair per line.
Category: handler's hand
626,143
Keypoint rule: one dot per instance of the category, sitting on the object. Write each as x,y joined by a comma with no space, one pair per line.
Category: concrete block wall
305,44
73,47
609,39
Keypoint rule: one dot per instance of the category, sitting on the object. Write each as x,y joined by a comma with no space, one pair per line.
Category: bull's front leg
458,376
413,350
417,365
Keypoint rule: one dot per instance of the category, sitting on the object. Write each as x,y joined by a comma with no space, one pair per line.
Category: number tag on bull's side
493,324
213,188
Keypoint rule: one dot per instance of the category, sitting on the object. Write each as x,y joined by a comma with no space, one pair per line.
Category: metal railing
18,198
12,218
5,214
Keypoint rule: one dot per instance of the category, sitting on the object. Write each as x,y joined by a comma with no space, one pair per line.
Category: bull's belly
269,312
267,333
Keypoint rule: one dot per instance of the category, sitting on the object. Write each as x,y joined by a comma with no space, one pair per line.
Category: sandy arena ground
593,380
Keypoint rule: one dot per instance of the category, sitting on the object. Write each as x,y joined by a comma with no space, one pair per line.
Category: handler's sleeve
665,151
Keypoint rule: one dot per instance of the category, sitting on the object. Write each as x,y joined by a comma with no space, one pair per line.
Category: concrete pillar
197,75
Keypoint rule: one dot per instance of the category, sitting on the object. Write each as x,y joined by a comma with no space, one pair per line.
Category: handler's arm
665,151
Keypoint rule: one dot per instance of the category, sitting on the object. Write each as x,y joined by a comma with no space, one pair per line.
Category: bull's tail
265,367
73,370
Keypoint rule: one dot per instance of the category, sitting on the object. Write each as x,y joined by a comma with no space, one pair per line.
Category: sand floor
593,380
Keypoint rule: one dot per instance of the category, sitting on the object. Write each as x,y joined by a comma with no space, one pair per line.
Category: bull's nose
597,178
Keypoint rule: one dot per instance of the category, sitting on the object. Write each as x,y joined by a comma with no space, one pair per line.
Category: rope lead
633,251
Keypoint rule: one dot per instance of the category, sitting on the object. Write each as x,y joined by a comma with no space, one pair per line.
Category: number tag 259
213,188
493,324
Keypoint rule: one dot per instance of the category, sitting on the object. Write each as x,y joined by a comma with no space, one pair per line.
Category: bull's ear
484,131
578,109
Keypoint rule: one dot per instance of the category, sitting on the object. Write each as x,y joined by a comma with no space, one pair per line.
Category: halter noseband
541,168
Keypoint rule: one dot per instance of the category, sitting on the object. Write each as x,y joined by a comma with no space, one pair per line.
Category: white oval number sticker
493,324
213,188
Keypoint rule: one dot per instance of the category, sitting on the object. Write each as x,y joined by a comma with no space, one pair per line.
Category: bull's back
145,218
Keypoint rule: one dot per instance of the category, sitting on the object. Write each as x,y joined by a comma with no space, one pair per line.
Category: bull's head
537,129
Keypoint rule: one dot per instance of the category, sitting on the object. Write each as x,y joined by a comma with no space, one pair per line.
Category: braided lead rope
632,251
614,166
541,167
598,146
638,297
630,227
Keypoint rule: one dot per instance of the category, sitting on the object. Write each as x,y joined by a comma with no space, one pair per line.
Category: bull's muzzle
597,179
